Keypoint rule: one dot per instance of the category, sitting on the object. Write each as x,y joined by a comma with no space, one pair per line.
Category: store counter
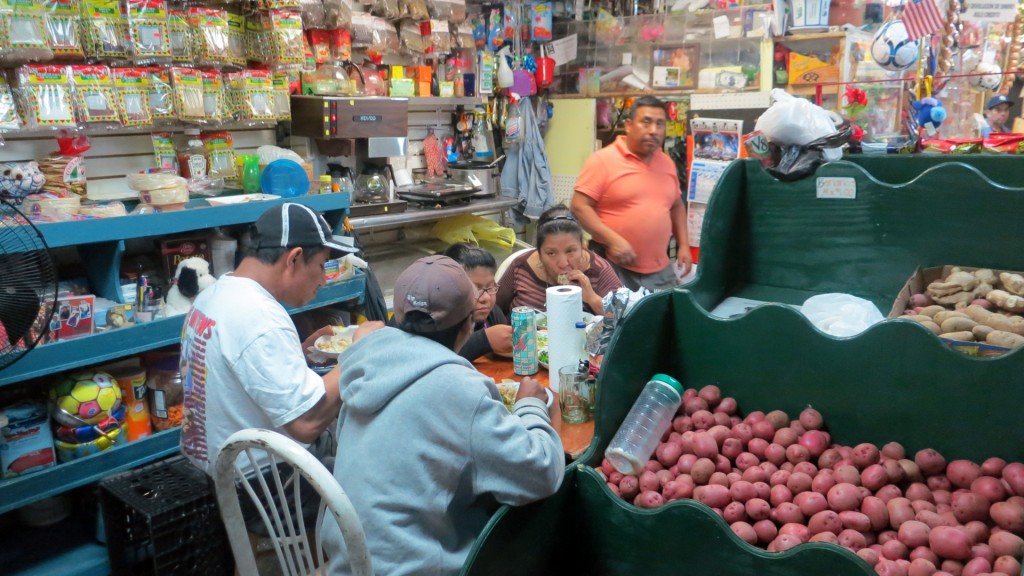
575,437
420,214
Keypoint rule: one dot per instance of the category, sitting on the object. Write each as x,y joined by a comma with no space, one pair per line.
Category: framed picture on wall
675,66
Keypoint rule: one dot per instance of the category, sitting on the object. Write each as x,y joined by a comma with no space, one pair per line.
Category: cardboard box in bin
918,282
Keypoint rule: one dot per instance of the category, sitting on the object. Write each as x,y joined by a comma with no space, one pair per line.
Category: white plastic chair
508,262
288,535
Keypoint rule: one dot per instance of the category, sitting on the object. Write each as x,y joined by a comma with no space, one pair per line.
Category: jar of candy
165,392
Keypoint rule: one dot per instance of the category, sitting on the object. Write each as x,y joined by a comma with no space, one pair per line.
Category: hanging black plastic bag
798,162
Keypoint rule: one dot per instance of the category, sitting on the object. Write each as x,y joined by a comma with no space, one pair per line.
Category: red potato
712,495
922,506
942,496
855,521
686,439
978,530
775,453
607,467
685,463
815,441
649,481
629,487
865,455
676,490
829,458
919,491
852,540
911,471
649,499
807,468
886,567
682,424
777,418
888,492
989,487
962,472
796,453
755,474
874,508
823,481
1007,515
844,496
766,531
733,477
894,450
894,550
693,405
723,419
847,474
742,432
615,477
993,466
826,537
727,405
939,482
653,466
745,532
786,513
668,453
930,518
720,432
734,512
811,419
968,506
874,477
951,543
810,503
784,437
893,470
795,529
798,482
983,551
825,521
758,509
689,393
784,542
886,535
921,567
976,567
930,461
900,511
719,479
704,445
742,491
664,476
1007,565
868,555
615,489
722,464
746,460
763,429
711,394
764,491
757,447
780,477
925,553
755,416
702,470
952,567
914,533
1006,544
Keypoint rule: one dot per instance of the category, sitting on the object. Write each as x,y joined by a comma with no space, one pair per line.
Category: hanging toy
929,112
892,47
988,76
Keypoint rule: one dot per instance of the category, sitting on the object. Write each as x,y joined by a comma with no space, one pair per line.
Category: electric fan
28,285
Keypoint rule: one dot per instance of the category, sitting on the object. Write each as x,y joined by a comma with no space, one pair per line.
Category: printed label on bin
837,188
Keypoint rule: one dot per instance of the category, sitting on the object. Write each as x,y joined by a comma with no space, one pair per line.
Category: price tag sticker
837,188
721,26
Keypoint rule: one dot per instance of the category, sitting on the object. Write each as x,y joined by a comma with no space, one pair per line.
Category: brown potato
981,331
946,315
1005,339
932,310
957,324
965,336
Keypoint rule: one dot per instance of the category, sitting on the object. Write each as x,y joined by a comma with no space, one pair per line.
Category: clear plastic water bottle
643,427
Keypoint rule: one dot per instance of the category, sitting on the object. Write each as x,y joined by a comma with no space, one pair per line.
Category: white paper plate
340,333
240,199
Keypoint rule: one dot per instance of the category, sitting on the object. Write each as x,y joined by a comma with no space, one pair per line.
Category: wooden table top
575,437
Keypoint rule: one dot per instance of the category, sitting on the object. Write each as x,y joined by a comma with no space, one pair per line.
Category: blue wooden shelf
81,232
102,346
21,490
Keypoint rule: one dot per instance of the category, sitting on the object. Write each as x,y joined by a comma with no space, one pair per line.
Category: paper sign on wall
563,50
990,11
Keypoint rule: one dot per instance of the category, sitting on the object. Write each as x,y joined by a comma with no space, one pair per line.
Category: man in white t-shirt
241,358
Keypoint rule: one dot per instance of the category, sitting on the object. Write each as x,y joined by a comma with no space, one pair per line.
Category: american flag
921,17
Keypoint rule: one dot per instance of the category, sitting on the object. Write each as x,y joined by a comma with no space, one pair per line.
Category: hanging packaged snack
440,36
447,10
147,24
23,32
384,38
415,9
362,29
288,48
313,15
132,88
161,96
213,96
278,4
9,118
63,29
181,44
104,31
341,44
337,14
252,95
95,102
495,29
236,39
282,97
385,9
220,154
308,59
164,152
464,38
320,44
255,40
64,170
540,21
209,36
187,86
46,96
411,34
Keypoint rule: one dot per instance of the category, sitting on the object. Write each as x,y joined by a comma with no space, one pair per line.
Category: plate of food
336,343
508,390
542,348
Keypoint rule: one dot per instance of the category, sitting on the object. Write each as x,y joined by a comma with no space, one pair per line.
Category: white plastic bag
796,121
841,314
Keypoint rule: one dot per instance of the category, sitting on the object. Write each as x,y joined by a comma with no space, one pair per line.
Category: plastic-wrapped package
384,38
147,24
220,154
313,15
9,119
95,101
256,41
104,31
236,39
341,44
251,95
440,36
187,85
448,10
62,29
464,37
164,152
46,96
411,36
279,4
181,43
320,44
385,9
131,86
415,9
213,96
337,14
161,95
64,169
282,97
209,36
287,45
23,32
362,29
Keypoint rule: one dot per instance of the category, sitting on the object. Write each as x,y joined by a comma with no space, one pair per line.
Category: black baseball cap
291,224
997,100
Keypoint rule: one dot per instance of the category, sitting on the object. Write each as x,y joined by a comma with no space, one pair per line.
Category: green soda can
524,341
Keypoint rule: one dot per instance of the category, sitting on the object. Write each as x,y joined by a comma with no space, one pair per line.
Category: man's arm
619,250
682,236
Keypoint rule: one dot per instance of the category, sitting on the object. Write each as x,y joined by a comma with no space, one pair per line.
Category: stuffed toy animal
191,277
19,179
929,111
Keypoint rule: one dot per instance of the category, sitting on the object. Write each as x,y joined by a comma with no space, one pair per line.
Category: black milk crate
162,519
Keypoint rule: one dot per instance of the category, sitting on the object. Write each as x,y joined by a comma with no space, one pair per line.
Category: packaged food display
337,13
209,28
45,92
23,32
375,33
320,44
278,4
104,31
385,9
213,96
448,10
287,46
313,15
189,100
412,38
161,95
164,152
95,102
415,9
440,36
64,170
236,39
9,119
362,29
257,40
220,154
251,95
282,97
147,24
62,29
464,37
181,45
341,44
131,86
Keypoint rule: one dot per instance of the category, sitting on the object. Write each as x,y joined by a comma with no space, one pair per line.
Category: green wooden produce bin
767,240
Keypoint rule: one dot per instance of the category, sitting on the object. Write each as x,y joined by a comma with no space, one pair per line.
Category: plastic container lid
666,379
285,178
581,324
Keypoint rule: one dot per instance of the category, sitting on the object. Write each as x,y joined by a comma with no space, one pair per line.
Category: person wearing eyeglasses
492,333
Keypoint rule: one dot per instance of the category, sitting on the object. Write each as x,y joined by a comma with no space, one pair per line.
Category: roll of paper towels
564,309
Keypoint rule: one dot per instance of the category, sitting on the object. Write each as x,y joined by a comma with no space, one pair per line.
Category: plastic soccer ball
85,398
892,49
990,79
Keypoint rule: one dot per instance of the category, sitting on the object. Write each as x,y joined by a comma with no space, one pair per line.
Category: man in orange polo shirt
628,198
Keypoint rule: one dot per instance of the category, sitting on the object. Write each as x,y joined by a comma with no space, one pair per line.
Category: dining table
576,438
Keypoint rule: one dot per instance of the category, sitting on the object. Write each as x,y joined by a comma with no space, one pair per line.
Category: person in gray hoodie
427,451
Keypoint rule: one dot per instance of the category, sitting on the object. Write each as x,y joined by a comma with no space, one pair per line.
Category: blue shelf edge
119,228
87,350
22,490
